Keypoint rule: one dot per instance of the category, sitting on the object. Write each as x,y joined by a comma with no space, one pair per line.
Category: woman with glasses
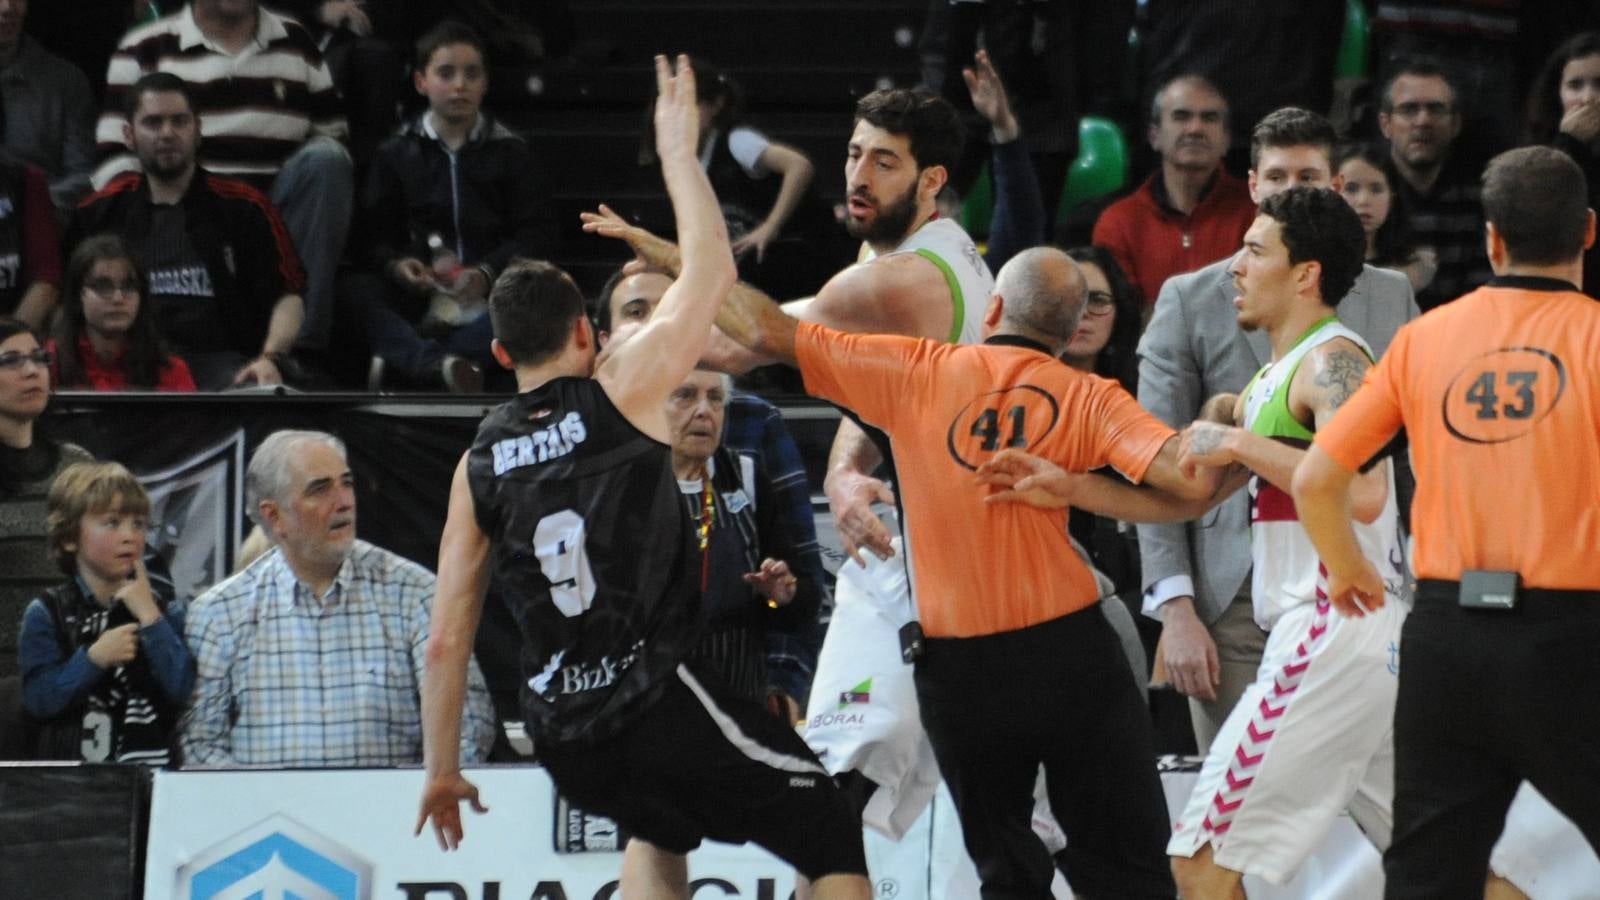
105,338
29,461
1104,344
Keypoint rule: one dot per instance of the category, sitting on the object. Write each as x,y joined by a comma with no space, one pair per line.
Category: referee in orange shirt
1019,669
1500,674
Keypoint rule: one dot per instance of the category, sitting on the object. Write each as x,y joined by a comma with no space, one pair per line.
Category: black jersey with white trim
591,552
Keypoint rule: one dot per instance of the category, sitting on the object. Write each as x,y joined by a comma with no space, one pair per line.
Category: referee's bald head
1041,292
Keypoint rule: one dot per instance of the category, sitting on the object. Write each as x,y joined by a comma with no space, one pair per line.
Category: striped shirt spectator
268,113
256,106
289,679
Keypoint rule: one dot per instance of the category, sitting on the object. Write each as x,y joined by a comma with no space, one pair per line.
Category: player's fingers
685,81
477,805
885,494
663,75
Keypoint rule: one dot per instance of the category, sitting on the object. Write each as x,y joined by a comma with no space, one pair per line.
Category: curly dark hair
930,123
1317,224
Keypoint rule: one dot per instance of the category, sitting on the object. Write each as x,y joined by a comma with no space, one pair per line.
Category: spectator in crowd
1197,579
364,44
29,463
1104,344
1262,54
1018,219
770,469
1477,44
449,202
1420,116
30,252
48,111
1370,187
749,591
105,337
1190,211
333,629
225,279
270,116
765,190
1564,113
105,672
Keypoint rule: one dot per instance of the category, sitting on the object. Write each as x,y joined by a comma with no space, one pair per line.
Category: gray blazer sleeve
1171,387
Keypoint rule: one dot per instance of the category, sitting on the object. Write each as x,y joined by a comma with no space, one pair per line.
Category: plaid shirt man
288,679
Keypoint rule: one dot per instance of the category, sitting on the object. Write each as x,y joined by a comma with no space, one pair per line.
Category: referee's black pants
1487,699
1058,694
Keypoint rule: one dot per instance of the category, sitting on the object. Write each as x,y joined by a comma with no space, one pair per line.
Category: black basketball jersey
591,552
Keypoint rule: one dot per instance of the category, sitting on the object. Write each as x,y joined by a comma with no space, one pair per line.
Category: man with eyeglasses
1421,119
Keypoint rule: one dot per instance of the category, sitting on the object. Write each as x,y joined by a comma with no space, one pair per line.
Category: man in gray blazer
1197,575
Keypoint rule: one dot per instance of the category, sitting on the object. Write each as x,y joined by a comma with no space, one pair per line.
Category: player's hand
850,499
989,98
441,804
115,646
773,581
1204,444
649,250
1582,122
677,111
755,239
1026,478
1356,593
1188,651
260,370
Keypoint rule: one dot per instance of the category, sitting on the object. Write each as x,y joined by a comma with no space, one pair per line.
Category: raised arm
457,607
640,374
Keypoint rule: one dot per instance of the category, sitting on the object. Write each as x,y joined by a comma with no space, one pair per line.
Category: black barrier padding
73,831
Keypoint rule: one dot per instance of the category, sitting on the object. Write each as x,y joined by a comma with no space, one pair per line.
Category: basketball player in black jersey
568,498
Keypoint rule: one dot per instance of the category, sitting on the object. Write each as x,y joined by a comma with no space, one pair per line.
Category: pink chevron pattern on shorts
1263,724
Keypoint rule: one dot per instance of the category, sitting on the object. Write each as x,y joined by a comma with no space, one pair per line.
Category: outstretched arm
640,374
457,607
1039,482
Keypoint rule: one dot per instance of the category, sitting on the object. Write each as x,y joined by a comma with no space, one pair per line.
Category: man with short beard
271,117
225,280
920,276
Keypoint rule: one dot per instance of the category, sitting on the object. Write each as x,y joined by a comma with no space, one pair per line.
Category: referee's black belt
1432,591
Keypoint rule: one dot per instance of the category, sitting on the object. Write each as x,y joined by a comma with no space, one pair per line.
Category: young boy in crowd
105,672
450,200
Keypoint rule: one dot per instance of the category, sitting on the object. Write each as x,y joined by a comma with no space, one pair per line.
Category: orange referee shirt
1500,394
981,568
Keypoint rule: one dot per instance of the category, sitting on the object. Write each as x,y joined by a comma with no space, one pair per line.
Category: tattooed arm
1327,378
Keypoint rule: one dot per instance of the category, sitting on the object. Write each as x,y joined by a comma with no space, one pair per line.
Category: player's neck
1287,333
572,363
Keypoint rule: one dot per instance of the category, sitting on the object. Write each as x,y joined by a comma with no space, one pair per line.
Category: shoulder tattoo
1340,375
